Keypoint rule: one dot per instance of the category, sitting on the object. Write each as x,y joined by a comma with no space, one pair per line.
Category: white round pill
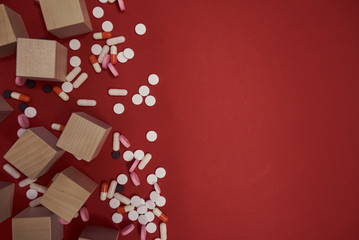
153,79
117,218
150,100
151,227
143,202
140,29
144,90
161,201
154,196
20,132
150,204
121,58
137,99
122,179
107,26
31,194
75,61
138,154
151,136
118,108
151,179
98,12
67,87
133,215
127,156
142,220
135,201
75,44
150,216
103,1
128,53
160,172
142,209
114,203
30,112
96,49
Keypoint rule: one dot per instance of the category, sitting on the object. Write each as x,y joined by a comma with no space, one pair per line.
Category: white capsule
11,170
86,102
117,92
122,198
111,1
112,189
15,95
35,202
115,40
38,187
116,141
163,231
104,51
80,80
113,50
71,75
26,181
144,161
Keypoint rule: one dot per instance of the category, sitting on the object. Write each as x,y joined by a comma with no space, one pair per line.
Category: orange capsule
113,55
20,96
95,63
160,215
104,190
102,35
57,127
60,93
125,209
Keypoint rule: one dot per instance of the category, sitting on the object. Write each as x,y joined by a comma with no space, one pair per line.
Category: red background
257,115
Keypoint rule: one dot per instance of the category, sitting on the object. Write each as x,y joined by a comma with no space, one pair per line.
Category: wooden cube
11,28
5,109
6,200
36,223
40,59
68,193
66,18
84,136
34,152
99,233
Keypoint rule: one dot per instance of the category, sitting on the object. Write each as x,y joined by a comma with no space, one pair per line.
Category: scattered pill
137,99
35,202
76,215
121,58
30,112
121,4
22,106
140,29
67,87
160,172
160,215
111,189
122,198
143,230
104,190
161,201
39,188
80,80
96,49
23,121
151,227
20,81
128,53
163,231
117,92
144,91
57,127
113,54
7,93
118,108
116,141
153,79
114,203
135,179
116,154
112,69
98,12
62,221
150,216
115,40
71,75
103,1
128,229
107,26
20,96
134,165
102,35
133,215
105,61
111,1
117,218
151,179
125,209
127,155
103,53
96,66
157,187
47,88
142,209
26,181
151,136
150,100
30,84
120,188
125,142
150,204
75,44
60,93
135,201
142,219
138,154
122,179
75,61
154,196
84,214
20,132
11,170
31,194
145,160
86,102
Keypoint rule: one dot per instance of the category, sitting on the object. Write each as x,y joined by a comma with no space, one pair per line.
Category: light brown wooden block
84,136
6,199
5,109
99,233
36,223
68,193
40,59
66,18
34,152
11,28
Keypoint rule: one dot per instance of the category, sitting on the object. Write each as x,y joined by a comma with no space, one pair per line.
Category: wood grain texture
84,136
5,109
35,152
40,59
92,232
36,223
6,200
66,18
68,193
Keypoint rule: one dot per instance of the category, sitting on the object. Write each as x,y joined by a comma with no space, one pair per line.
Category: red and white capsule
96,66
102,35
113,55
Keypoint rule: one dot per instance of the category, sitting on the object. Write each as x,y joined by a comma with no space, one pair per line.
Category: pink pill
112,69
121,4
125,141
143,232
63,221
128,229
105,61
20,81
84,213
135,179
23,121
134,165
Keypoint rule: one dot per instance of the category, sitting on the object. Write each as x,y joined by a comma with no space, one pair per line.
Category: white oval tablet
157,187
150,205
161,201
75,44
151,179
20,132
96,49
133,215
138,154
150,216
151,136
140,29
160,172
128,53
107,26
153,79
75,61
135,201
144,90
118,108
151,227
137,99
121,58
127,156
122,179
150,100
142,220
31,194
117,218
67,87
114,203
154,196
98,12
30,112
